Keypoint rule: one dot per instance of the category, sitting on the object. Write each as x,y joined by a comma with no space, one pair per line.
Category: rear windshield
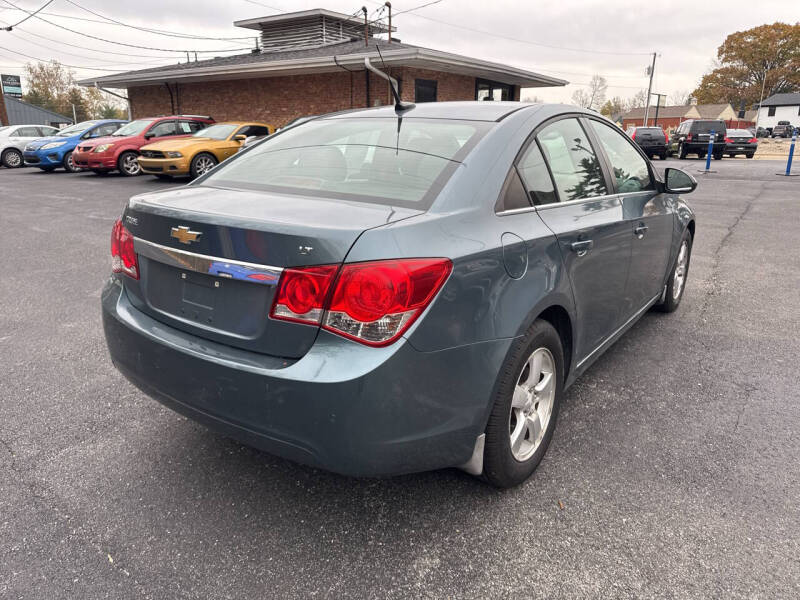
707,126
739,133
356,159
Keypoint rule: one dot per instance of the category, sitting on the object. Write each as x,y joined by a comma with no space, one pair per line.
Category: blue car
427,282
49,153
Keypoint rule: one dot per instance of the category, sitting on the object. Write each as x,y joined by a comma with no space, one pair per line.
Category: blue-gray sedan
378,295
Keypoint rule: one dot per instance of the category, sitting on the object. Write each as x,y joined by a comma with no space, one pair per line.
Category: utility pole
74,115
389,6
761,99
649,89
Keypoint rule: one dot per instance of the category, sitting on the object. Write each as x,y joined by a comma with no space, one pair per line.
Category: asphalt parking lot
673,471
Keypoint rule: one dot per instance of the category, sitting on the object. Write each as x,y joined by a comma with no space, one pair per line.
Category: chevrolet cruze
377,293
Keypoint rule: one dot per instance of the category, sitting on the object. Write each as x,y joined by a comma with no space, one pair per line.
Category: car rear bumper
166,166
740,148
343,407
653,148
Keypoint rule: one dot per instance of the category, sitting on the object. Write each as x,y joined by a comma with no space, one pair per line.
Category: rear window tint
707,126
356,159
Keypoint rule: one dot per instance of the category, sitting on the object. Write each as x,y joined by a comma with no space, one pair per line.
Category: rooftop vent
309,29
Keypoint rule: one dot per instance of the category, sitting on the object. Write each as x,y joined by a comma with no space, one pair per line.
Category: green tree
767,54
109,111
48,85
77,105
613,106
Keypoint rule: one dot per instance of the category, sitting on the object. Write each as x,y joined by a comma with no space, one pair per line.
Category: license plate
739,147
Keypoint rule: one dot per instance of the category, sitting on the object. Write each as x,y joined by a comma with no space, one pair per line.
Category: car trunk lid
210,259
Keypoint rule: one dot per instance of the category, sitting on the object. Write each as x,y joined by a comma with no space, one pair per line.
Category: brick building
312,62
669,117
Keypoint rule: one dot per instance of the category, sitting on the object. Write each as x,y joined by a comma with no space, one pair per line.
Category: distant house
779,107
669,117
22,113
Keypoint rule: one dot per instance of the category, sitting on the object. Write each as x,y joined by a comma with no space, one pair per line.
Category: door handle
582,247
640,230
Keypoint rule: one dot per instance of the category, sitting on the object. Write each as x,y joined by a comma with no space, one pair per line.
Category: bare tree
582,98
679,98
637,100
534,99
597,92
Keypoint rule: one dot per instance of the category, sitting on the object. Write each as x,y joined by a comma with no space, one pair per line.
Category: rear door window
185,127
630,169
573,162
28,132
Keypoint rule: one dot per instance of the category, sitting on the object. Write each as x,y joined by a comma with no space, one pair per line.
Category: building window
425,90
771,111
492,90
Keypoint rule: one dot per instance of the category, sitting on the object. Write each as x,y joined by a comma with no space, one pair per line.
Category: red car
120,150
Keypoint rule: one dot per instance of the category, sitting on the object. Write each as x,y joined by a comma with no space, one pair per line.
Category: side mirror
678,181
240,137
149,135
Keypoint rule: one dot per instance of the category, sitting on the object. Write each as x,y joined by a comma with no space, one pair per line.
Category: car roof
463,111
242,123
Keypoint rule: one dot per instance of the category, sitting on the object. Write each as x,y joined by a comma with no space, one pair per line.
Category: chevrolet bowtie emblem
184,235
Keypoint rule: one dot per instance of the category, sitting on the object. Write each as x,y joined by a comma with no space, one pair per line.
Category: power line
155,31
94,37
63,64
33,14
521,41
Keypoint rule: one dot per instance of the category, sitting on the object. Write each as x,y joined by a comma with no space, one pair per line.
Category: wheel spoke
520,398
544,385
534,426
518,435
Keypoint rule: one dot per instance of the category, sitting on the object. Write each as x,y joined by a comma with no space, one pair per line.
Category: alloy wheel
532,404
70,163
130,164
203,164
13,159
680,270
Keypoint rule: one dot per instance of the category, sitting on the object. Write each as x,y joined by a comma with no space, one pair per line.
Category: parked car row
167,146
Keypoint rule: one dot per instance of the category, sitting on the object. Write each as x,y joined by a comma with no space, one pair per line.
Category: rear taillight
301,294
123,256
371,302
752,141
728,140
633,135
689,137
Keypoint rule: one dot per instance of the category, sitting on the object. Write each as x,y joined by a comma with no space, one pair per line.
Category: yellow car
200,152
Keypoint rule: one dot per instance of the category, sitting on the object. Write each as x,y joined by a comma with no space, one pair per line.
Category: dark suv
692,137
782,129
652,140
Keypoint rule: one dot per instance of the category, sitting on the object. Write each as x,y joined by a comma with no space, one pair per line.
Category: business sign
12,86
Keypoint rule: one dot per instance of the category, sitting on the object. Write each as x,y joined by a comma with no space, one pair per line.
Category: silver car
13,139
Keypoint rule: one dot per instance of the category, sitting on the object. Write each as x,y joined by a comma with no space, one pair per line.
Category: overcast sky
615,35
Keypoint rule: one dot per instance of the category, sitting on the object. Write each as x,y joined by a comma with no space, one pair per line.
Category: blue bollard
710,150
791,154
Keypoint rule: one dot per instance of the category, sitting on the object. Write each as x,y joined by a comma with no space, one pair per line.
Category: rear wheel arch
559,318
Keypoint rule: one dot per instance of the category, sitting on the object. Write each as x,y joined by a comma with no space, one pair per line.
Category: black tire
500,467
663,155
671,303
681,151
196,169
12,159
128,164
749,155
717,155
68,165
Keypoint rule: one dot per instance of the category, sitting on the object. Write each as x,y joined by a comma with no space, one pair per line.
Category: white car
13,139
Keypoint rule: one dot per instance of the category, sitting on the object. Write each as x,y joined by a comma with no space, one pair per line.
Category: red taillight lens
123,255
302,292
633,135
371,302
689,137
728,140
752,141
375,302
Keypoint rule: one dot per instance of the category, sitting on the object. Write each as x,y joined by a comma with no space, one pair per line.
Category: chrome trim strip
619,329
533,208
209,265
